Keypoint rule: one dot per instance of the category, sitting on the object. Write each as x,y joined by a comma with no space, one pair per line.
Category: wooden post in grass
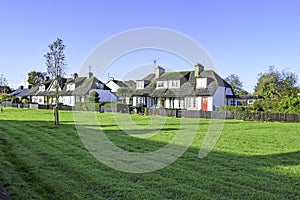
56,116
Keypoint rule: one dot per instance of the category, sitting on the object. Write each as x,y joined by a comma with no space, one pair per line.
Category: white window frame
201,83
140,85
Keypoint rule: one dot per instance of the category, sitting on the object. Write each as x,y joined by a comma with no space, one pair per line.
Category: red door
204,103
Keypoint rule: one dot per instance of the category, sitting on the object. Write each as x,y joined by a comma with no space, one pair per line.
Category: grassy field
252,160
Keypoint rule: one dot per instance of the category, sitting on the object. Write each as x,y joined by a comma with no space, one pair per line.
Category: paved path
3,194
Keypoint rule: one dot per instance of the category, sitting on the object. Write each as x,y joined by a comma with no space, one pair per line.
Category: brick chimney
75,75
159,71
90,75
198,69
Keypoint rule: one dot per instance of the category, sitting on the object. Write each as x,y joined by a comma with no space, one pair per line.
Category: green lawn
252,160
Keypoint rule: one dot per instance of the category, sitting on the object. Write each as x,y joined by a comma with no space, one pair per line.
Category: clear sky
241,37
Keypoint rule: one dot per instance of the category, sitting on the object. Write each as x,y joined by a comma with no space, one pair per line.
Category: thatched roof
187,87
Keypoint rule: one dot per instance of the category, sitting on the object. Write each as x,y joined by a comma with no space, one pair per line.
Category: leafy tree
56,63
236,84
274,83
131,84
93,97
124,92
4,97
4,85
35,78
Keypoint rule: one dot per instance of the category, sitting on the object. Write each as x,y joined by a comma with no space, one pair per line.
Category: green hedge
88,106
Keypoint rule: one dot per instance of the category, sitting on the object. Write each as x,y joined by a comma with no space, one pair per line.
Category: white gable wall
219,97
113,86
210,104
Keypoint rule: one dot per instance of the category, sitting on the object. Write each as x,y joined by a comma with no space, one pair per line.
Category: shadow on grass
219,175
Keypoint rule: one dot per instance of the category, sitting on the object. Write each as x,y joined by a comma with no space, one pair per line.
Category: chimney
21,87
198,69
29,87
90,74
159,71
75,75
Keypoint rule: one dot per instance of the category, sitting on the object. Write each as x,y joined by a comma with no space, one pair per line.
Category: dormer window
161,84
201,83
174,84
140,85
71,87
42,88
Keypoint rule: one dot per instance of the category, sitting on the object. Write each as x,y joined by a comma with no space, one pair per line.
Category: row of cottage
198,89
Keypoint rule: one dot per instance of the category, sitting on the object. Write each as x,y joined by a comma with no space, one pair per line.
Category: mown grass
252,160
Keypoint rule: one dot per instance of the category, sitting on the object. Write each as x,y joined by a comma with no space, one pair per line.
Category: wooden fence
278,117
257,116
190,113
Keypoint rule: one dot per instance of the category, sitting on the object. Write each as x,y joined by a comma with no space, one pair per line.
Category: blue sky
241,37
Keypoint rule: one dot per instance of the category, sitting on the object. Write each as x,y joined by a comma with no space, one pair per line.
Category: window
70,87
232,102
140,85
160,84
174,83
194,102
42,88
201,83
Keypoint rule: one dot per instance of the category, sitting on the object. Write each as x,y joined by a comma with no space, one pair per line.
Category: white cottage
192,90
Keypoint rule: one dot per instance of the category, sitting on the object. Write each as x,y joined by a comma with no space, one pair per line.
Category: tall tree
93,97
131,84
56,63
35,78
276,84
236,84
4,85
124,92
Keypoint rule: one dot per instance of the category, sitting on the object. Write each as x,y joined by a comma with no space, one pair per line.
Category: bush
87,106
240,113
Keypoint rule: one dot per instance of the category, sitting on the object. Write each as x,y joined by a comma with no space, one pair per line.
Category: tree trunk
56,116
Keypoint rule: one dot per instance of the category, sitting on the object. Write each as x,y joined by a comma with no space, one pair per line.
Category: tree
35,78
3,85
93,97
276,84
124,92
131,84
236,84
56,63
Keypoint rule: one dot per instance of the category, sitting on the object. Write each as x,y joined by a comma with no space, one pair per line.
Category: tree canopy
93,97
236,84
131,84
124,92
4,85
36,77
273,83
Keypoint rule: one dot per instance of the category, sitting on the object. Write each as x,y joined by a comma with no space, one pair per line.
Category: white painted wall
210,105
113,86
199,103
68,100
167,103
219,98
176,103
134,101
229,91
